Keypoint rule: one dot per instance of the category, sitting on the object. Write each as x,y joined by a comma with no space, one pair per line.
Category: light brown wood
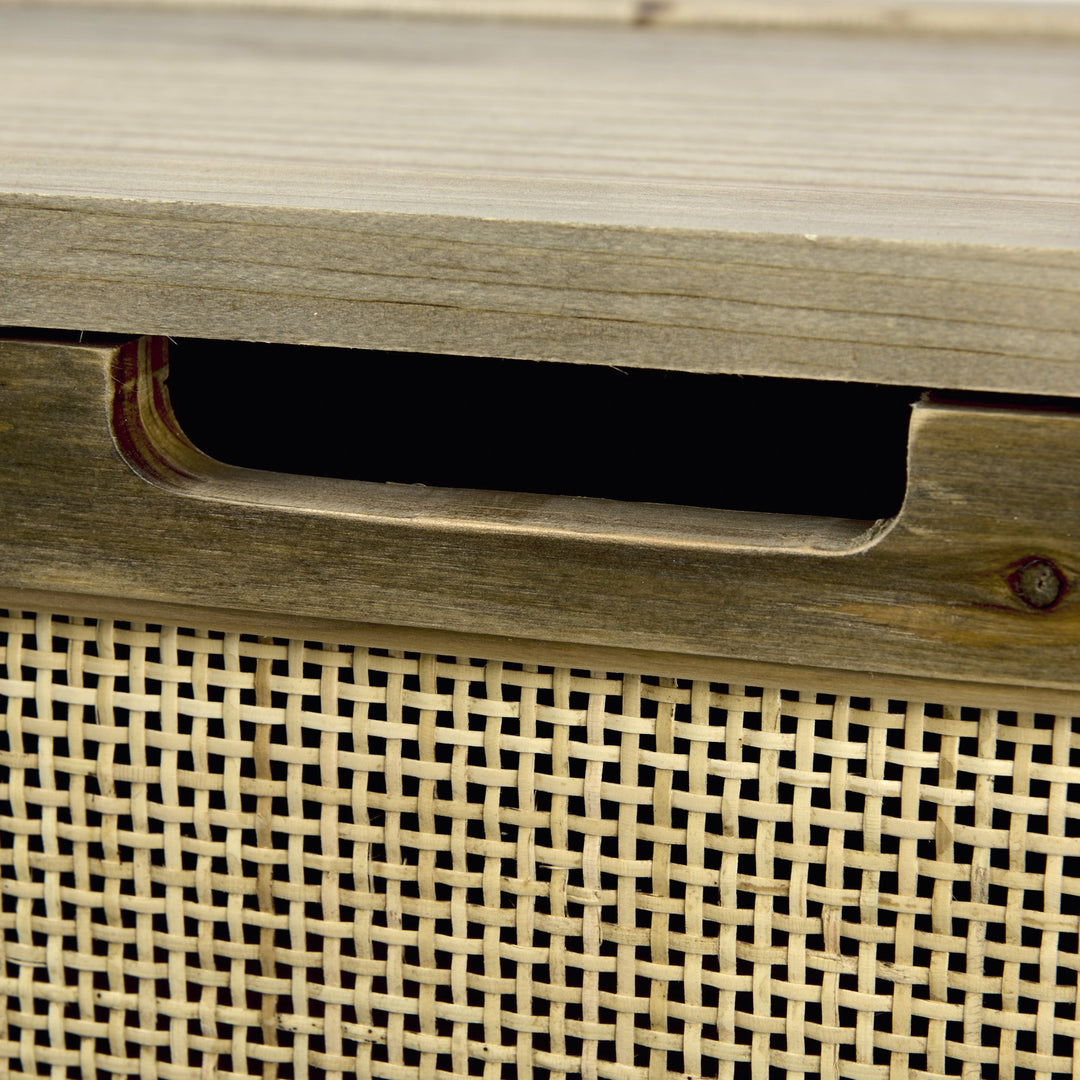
890,209
981,17
934,593
396,824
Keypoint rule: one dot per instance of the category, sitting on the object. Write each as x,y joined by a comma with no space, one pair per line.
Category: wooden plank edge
940,691
67,268
916,17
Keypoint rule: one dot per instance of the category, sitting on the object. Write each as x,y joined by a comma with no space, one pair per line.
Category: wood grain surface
974,579
984,17
870,683
869,207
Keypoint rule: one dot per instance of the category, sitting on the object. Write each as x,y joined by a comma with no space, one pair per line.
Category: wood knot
1038,583
647,12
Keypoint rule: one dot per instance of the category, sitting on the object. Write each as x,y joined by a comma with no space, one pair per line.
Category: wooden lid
817,203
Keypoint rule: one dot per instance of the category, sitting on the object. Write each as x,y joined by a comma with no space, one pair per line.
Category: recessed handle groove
631,435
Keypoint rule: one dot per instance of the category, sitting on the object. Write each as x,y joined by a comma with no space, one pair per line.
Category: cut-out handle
972,579
156,445
627,434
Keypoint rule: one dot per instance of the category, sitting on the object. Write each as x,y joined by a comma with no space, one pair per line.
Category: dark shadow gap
632,434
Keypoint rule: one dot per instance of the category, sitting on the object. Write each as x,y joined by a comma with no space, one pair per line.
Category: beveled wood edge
871,684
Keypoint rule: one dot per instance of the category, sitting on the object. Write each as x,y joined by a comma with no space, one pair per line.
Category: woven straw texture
230,856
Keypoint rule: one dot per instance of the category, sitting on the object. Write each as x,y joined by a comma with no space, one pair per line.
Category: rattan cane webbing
226,856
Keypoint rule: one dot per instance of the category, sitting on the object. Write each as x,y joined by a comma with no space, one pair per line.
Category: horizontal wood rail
974,579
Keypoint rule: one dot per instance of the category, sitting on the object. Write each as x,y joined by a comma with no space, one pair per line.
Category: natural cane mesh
227,856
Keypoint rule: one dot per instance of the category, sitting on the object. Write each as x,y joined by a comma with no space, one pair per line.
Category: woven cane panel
226,856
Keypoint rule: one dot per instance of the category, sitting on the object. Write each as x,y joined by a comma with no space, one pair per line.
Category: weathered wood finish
892,209
521,650
859,310
611,842
929,595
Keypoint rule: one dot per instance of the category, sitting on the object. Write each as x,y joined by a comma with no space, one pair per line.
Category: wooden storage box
333,778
